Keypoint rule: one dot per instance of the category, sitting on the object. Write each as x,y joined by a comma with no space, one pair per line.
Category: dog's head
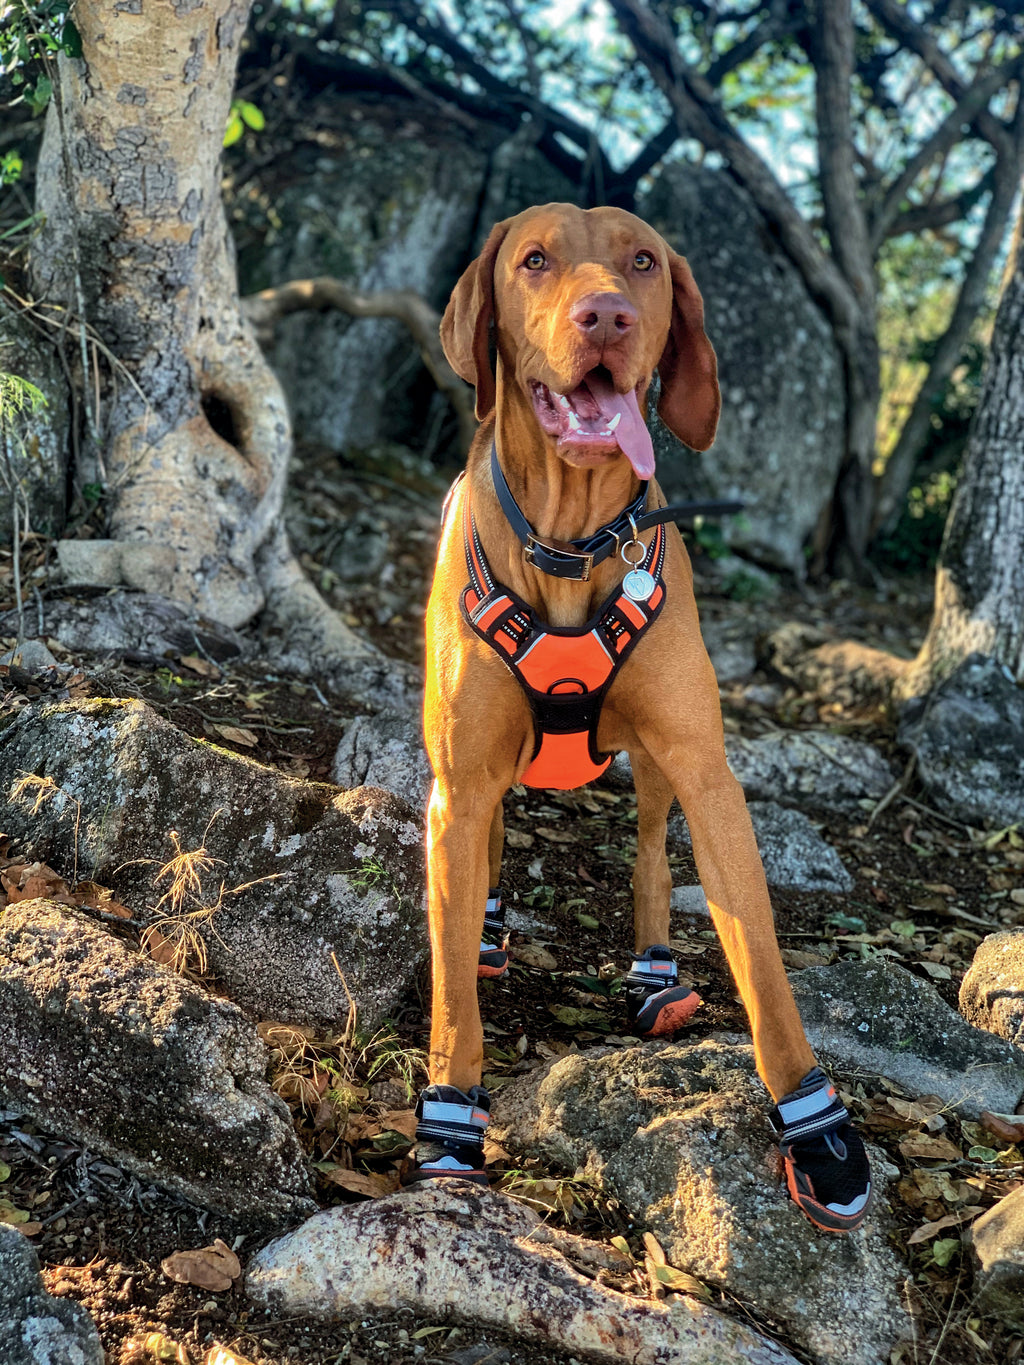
584,305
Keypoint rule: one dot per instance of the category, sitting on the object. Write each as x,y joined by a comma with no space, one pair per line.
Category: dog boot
450,1134
494,944
827,1169
656,1004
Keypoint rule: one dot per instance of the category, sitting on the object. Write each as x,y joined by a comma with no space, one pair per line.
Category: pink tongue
631,433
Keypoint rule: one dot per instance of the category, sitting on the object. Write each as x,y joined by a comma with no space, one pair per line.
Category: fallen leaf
654,1249
156,1346
920,1146
213,1267
5,1172
160,949
201,666
543,1195
400,1121
917,1110
30,1229
556,836
940,888
938,971
680,1282
518,838
369,1184
234,734
1009,1127
620,1244
944,1250
951,1220
11,1215
220,1355
535,955
798,958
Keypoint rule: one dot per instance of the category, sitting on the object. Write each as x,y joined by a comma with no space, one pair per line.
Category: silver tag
638,584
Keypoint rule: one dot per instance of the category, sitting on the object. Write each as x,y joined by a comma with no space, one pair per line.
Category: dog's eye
643,260
536,261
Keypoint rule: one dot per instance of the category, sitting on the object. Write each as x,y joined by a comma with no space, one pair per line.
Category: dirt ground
927,890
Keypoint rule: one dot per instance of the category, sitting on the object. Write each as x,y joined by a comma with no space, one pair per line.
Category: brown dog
581,307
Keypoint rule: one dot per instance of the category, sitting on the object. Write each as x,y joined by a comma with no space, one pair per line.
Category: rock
111,563
134,625
794,854
37,447
677,1134
814,769
385,751
689,900
992,991
104,1046
31,656
730,645
452,1249
877,1019
780,439
35,1327
996,1242
331,882
968,738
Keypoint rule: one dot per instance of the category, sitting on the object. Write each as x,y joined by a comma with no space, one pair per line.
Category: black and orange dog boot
494,944
827,1170
450,1134
656,1004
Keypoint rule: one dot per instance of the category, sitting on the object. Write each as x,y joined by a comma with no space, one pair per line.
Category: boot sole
815,1212
672,1015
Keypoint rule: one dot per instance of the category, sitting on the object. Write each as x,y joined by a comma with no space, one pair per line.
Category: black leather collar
576,558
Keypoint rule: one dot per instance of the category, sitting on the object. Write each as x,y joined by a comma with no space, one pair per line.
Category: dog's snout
603,317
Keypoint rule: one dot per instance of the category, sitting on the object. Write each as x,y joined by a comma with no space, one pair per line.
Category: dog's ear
690,401
466,325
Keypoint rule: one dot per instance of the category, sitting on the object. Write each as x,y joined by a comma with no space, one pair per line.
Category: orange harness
565,673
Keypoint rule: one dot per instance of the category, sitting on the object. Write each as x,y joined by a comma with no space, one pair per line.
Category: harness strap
576,558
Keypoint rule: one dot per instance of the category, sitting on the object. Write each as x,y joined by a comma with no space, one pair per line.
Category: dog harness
565,673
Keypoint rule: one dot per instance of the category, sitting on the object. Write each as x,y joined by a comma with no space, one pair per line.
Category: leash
576,558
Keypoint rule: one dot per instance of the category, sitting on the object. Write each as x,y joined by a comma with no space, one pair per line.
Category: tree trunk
979,585
189,433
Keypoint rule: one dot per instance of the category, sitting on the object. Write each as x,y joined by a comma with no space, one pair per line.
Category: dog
562,628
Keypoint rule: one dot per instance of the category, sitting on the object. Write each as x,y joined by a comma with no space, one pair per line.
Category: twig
900,785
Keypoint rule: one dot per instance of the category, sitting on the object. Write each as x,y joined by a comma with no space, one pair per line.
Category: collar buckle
580,563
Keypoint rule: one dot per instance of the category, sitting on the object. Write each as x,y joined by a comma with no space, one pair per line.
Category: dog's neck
559,501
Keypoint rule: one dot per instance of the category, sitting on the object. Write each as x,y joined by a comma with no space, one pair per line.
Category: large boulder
36,1328
677,1133
314,893
385,751
877,1019
968,738
809,769
992,991
37,449
104,1046
780,440
451,1249
996,1242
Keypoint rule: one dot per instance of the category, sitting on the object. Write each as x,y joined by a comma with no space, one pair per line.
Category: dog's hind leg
652,881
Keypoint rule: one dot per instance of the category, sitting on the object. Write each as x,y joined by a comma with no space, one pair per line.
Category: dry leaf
160,949
201,666
556,836
400,1121
916,1110
1009,1127
534,955
214,1267
518,838
155,1346
543,1195
928,1230
920,1146
368,1184
220,1355
798,958
654,1249
234,734
680,1282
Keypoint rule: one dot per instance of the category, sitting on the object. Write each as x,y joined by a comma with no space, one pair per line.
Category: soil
927,890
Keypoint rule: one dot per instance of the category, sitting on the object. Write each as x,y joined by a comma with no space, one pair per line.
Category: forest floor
927,890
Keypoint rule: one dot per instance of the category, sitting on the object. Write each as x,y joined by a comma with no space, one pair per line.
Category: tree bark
979,585
190,435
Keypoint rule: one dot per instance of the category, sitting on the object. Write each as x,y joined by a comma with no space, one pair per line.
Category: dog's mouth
593,418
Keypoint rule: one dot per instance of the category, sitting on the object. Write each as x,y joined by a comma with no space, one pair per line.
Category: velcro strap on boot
804,1115
494,921
445,1121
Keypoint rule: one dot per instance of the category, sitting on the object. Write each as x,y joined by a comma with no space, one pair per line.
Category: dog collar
575,559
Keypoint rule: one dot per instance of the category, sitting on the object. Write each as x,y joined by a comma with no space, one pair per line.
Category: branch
899,469
948,133
698,114
942,212
918,40
264,309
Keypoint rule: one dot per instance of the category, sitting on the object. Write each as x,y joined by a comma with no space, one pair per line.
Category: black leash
576,558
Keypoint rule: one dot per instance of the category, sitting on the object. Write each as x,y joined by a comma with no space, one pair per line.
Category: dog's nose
603,318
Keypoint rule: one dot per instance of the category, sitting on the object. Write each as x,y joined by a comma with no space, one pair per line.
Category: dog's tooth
614,422
563,400
574,421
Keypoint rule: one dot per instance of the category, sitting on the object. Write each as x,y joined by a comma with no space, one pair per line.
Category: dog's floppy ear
466,325
690,401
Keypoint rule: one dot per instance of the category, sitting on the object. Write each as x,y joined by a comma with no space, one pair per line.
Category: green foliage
917,539
32,32
18,398
243,115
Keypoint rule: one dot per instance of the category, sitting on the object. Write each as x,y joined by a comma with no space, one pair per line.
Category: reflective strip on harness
565,673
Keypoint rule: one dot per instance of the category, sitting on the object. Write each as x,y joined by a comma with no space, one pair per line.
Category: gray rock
35,1327
102,1045
730,645
968,737
137,625
37,444
385,751
677,1134
113,563
333,881
992,991
780,438
689,900
794,854
812,769
996,1242
877,1019
450,1249
32,656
